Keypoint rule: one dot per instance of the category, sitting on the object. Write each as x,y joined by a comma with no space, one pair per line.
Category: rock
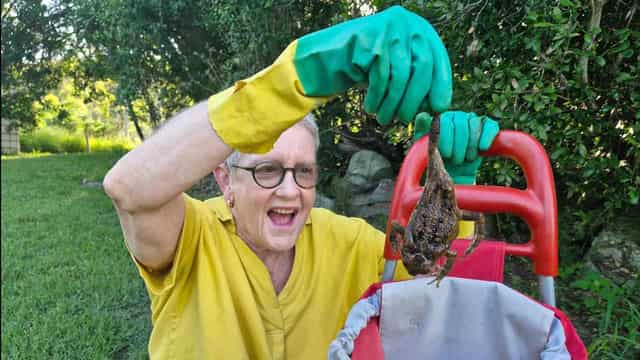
374,206
369,211
381,194
615,252
366,169
91,184
348,147
324,202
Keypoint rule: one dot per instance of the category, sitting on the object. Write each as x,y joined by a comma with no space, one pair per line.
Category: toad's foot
396,236
478,229
444,270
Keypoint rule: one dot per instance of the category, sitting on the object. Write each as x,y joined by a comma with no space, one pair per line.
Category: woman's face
270,220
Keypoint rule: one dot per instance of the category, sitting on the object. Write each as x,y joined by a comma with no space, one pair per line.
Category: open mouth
281,216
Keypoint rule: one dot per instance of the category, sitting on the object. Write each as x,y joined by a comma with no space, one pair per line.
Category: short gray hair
308,122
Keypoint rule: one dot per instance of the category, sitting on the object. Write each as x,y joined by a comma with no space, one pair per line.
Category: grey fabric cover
342,347
462,319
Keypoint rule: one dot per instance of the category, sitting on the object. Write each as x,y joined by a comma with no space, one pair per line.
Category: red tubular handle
536,204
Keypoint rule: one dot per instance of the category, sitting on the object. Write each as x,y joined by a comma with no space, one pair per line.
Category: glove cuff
251,115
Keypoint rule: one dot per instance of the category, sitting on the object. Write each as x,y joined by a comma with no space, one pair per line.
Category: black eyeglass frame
284,173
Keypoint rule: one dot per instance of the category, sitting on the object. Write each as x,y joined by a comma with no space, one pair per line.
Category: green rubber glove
462,135
398,53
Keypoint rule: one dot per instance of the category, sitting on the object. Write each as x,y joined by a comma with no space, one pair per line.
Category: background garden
84,81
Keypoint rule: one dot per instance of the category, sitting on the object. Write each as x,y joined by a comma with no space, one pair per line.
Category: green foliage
522,64
47,140
33,40
72,144
58,140
618,312
169,55
89,110
69,288
118,145
343,123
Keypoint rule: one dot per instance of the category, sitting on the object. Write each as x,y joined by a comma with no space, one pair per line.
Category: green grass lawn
69,288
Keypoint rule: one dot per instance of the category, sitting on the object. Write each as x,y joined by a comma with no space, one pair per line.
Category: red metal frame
536,204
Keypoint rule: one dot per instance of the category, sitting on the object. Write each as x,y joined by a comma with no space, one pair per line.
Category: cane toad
434,222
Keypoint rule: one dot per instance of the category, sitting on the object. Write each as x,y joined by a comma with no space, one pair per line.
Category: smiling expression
270,220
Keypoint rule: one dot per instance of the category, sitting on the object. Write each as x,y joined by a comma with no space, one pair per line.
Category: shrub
559,72
46,139
111,145
616,307
57,140
73,143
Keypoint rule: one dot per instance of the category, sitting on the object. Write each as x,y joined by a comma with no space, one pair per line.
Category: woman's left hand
462,135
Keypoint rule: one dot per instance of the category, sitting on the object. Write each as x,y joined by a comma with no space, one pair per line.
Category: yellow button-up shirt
217,299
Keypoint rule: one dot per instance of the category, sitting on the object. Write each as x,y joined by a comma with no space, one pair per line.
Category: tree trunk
594,23
123,122
134,118
87,141
153,112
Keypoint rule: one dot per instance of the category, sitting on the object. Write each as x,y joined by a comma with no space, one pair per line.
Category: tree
565,71
171,54
90,110
33,42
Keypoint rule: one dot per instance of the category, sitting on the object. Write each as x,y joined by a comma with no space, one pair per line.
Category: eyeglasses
270,174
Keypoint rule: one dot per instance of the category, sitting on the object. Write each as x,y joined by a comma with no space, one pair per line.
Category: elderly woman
259,273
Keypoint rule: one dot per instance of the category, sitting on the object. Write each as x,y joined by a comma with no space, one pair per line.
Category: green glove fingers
397,52
481,131
460,135
475,130
441,86
422,125
399,77
447,136
465,173
420,80
490,129
425,107
378,75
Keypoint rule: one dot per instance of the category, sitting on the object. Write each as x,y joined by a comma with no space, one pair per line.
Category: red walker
536,205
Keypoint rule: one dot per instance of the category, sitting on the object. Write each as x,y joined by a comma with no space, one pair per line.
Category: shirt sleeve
196,216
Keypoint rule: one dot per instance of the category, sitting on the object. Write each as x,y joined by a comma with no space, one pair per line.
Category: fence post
10,138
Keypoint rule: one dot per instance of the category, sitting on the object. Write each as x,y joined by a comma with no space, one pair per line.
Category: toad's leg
451,258
478,229
396,236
